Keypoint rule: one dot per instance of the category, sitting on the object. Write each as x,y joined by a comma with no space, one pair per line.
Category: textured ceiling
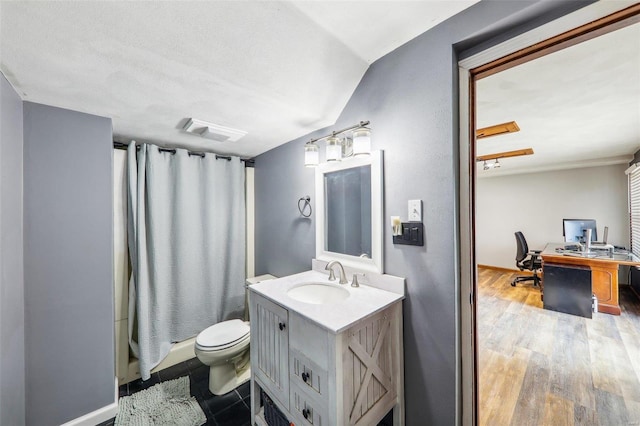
277,70
576,107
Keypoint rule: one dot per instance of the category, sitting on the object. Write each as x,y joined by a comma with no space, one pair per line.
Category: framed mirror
349,196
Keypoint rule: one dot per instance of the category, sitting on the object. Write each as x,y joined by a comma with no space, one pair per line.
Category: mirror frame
376,263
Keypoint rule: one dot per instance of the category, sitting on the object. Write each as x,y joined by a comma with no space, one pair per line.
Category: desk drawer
568,289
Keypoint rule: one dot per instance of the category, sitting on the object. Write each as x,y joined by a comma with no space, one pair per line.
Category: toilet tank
259,279
251,281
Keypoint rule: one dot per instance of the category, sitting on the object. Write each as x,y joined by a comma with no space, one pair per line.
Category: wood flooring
540,367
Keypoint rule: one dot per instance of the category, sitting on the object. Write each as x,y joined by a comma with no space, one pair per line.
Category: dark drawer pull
282,326
305,377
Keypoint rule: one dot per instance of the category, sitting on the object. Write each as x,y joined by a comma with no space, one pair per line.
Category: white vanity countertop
336,317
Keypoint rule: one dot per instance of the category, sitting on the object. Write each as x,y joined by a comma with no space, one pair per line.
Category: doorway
580,26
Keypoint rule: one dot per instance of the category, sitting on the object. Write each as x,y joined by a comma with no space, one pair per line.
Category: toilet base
226,377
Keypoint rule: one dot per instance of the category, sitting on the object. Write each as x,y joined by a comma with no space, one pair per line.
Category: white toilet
224,347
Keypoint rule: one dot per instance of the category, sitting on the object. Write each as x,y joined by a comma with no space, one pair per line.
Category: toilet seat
223,335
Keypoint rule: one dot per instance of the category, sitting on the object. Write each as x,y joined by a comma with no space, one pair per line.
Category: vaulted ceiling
277,70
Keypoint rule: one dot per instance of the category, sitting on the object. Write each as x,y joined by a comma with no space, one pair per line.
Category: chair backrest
523,248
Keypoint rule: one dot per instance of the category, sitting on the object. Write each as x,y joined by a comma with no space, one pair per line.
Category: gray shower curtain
187,247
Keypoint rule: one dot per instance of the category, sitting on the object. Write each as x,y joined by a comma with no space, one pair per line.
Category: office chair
527,260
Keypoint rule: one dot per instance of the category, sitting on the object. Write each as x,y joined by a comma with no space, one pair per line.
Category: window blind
634,209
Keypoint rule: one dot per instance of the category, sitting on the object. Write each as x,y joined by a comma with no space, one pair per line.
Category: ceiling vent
212,131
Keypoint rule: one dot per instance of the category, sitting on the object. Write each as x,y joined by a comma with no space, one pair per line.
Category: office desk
604,273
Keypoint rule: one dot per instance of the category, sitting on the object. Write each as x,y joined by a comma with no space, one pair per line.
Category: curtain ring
307,203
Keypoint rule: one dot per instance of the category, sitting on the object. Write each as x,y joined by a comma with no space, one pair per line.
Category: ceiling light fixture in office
489,166
506,154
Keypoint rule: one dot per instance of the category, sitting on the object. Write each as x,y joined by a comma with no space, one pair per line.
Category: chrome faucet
332,276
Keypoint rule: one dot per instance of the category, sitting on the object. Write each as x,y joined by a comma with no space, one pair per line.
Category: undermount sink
318,293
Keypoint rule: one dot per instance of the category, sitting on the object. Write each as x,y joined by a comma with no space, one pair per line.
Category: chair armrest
535,255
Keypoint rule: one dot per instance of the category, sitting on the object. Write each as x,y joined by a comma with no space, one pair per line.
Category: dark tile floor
231,409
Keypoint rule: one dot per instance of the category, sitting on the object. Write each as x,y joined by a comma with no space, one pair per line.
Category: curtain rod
247,161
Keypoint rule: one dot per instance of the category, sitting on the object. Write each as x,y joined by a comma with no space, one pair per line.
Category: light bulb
311,155
362,141
334,149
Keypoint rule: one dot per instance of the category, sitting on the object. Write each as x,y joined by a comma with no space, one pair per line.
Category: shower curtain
187,247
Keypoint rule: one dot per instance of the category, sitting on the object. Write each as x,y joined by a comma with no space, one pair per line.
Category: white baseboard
98,416
95,417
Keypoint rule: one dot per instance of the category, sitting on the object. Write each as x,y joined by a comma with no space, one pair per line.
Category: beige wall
120,262
536,203
250,205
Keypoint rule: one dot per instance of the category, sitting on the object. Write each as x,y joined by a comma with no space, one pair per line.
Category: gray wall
410,96
68,246
11,258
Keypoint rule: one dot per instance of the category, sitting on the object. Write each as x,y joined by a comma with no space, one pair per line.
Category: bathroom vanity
327,354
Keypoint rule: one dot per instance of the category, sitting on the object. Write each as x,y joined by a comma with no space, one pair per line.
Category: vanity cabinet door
371,367
270,347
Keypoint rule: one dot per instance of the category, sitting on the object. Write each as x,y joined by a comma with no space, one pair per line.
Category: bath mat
167,403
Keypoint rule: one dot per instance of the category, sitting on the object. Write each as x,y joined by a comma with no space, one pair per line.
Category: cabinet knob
306,413
305,377
282,326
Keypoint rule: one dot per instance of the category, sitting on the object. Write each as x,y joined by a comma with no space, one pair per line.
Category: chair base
535,278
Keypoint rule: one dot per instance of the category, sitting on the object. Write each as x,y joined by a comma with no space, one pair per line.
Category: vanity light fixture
359,143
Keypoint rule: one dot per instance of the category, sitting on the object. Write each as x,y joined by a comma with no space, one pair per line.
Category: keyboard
601,246
580,254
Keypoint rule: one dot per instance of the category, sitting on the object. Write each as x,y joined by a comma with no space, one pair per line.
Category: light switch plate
415,211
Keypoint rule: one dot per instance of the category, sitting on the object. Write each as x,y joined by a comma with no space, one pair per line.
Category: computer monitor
573,229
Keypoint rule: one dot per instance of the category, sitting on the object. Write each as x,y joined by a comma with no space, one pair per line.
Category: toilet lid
223,334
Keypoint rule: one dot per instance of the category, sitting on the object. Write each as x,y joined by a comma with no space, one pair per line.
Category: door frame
584,24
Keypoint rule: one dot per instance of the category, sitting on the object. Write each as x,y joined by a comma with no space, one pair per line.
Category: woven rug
167,403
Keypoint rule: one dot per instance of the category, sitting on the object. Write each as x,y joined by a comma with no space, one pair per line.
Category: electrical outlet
415,211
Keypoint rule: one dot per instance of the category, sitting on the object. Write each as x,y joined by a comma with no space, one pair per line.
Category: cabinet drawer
306,409
308,375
